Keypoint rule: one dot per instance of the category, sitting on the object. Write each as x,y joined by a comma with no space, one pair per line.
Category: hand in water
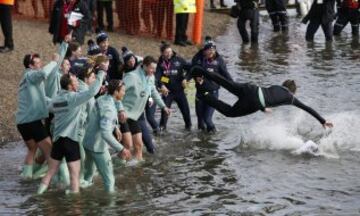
328,124
125,154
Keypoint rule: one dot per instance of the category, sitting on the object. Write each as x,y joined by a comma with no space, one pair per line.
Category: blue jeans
205,113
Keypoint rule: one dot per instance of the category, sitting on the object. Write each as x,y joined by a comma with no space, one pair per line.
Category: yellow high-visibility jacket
184,6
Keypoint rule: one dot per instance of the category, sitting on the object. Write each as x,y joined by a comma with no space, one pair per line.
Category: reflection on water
247,168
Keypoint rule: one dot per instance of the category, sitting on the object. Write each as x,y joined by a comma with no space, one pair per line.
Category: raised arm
83,97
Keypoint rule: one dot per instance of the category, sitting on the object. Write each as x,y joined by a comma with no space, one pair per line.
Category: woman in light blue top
103,122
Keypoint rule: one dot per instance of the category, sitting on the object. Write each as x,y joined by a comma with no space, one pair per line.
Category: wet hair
85,72
65,81
164,46
73,46
290,84
114,85
29,59
148,60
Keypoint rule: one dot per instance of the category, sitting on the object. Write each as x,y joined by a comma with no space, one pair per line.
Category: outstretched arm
312,112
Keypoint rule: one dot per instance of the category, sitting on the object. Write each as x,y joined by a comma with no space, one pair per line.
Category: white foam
289,132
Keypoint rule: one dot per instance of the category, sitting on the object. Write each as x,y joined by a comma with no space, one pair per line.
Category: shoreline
32,36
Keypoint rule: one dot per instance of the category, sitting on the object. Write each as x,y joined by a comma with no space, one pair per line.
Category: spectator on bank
61,23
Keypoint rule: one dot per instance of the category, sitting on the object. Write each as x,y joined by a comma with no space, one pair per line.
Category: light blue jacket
32,102
52,83
67,109
102,122
138,89
86,109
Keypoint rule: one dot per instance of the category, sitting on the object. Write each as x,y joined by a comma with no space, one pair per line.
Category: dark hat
93,48
126,54
77,65
102,36
197,71
209,43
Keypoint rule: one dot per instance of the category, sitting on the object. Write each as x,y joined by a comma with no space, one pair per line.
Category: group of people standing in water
74,108
320,13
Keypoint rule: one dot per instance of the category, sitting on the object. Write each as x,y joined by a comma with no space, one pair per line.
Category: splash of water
279,132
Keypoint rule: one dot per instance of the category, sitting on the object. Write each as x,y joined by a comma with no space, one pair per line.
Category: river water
248,167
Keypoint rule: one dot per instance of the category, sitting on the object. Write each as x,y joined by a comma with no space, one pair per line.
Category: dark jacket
247,4
325,11
218,65
115,63
171,73
78,32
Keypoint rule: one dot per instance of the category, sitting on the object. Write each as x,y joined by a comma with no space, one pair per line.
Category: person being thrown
252,98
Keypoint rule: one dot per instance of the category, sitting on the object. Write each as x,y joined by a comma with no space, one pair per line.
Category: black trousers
181,27
107,6
182,102
6,24
345,16
245,105
253,16
278,14
314,26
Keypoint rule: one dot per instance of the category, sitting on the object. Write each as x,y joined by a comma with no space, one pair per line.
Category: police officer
99,134
211,60
182,9
6,25
248,11
321,14
347,12
278,14
170,78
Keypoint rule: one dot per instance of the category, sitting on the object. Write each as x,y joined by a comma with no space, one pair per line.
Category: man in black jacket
59,25
321,13
252,98
248,11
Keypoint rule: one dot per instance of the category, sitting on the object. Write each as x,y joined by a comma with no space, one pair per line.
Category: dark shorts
130,126
65,147
33,130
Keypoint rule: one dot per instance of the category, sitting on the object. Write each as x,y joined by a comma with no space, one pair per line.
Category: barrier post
198,22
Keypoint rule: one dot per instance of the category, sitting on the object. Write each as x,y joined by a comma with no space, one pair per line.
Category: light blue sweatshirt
138,89
32,102
102,122
67,109
52,83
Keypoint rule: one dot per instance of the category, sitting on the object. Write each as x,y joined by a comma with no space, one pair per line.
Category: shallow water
247,168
